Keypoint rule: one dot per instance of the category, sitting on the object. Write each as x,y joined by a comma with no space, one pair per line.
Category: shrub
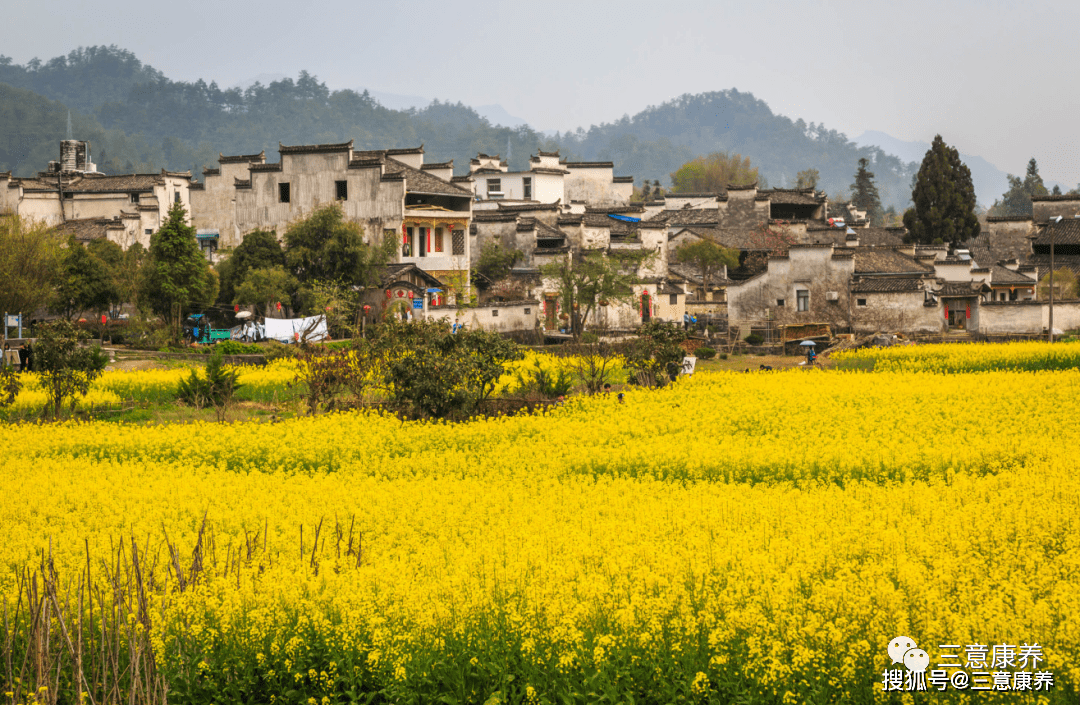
66,368
705,353
722,356
215,388
657,353
235,347
754,339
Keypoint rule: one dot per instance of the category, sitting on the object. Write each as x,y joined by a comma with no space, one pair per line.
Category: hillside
141,119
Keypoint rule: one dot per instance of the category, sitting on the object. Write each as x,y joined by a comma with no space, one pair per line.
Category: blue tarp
624,218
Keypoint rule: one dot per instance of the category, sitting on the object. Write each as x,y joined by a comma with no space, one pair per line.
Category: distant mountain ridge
142,119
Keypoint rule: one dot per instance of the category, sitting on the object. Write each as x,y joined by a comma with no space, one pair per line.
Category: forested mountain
140,120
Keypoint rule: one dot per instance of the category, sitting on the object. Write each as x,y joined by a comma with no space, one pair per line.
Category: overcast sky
996,79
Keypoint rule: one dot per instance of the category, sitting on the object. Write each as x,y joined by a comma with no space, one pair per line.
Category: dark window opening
527,186
802,300
494,186
176,197
148,231
780,303
860,302
342,188
134,198
284,193
528,311
68,194
673,299
495,313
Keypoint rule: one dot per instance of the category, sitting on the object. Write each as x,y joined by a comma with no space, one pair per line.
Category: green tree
494,263
432,373
864,193
808,178
260,249
944,198
264,287
84,282
714,173
1065,285
326,247
65,367
30,257
708,258
656,354
1017,200
177,274
584,280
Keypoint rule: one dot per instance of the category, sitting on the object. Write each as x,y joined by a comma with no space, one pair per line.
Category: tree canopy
944,198
714,173
585,280
708,258
177,273
326,247
864,193
30,256
1017,200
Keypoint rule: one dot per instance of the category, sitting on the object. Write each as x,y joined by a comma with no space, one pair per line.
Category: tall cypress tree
944,199
864,193
178,272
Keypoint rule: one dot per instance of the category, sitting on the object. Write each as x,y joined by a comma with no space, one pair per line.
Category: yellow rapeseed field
757,538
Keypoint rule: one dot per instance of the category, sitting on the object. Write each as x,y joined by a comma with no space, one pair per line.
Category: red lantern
278,305
388,293
366,308
103,319
236,308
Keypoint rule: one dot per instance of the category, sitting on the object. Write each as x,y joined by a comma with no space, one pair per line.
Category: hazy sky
996,79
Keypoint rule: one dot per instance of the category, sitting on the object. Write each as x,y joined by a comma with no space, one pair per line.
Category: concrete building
71,195
389,192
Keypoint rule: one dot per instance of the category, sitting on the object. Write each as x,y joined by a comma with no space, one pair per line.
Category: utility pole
1053,222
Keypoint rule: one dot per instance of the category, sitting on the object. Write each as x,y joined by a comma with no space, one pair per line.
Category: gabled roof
1000,275
688,216
87,229
417,181
394,272
90,183
883,260
1067,232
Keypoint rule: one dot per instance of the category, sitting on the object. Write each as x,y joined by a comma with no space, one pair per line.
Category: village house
389,193
548,180
74,197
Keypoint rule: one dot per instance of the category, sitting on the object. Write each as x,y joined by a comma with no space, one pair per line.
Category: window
860,302
134,198
342,188
673,299
406,249
495,313
459,243
284,193
494,186
438,240
528,311
148,231
68,194
802,300
527,187
176,197
780,303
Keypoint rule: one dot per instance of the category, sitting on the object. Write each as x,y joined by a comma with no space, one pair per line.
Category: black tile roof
87,229
315,148
873,260
1067,232
588,165
1000,275
887,285
242,158
417,181
794,197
